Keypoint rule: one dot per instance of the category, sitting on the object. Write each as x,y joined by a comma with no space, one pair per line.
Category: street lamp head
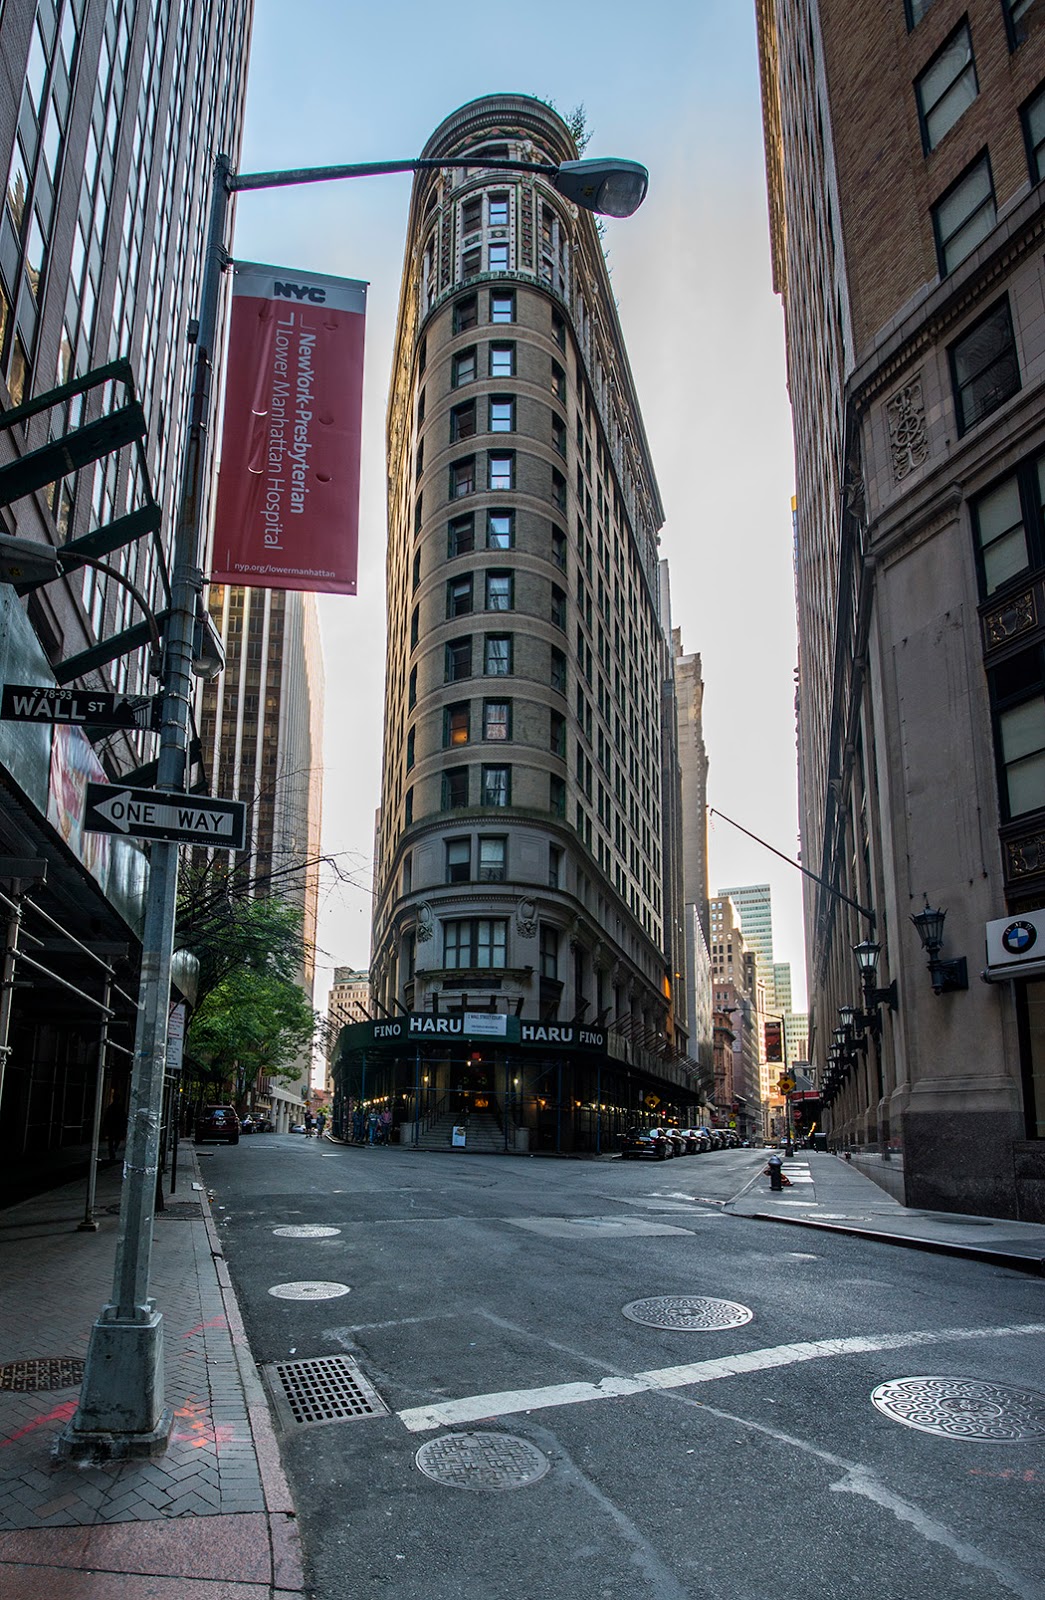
611,187
867,953
929,923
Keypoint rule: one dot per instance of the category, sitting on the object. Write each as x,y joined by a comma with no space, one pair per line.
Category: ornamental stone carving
425,922
526,918
1026,855
1017,615
908,436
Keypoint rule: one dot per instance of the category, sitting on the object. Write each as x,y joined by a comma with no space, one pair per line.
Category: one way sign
155,814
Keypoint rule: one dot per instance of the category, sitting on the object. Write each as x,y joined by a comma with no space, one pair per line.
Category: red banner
287,513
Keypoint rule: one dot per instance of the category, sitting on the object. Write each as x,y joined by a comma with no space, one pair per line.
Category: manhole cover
305,1230
309,1290
326,1389
482,1461
963,1408
688,1311
52,1372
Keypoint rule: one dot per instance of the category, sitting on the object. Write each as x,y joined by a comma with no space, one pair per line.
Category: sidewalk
212,1519
830,1194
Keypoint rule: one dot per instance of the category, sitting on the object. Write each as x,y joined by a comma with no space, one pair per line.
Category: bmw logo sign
1019,937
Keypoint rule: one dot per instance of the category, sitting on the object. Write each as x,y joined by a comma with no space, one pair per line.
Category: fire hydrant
775,1171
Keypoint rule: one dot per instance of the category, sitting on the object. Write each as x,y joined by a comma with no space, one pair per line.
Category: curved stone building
527,904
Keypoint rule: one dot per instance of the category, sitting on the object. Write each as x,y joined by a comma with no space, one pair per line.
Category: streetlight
121,1411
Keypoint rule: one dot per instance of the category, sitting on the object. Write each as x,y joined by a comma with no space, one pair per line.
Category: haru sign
176,818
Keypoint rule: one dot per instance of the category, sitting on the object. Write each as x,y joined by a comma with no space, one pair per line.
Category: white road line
510,1402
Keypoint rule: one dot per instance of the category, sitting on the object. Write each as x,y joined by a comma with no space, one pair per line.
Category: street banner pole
121,1411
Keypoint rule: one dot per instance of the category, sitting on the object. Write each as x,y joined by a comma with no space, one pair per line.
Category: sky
675,86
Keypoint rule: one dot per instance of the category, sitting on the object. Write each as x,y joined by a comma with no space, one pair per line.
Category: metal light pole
121,1411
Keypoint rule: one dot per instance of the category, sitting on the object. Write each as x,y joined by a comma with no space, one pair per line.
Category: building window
500,591
549,951
408,872
1019,704
455,788
964,216
459,596
557,796
497,255
554,867
502,413
493,859
462,421
558,329
500,530
559,489
916,10
558,382
458,660
502,306
475,942
1001,529
497,786
559,435
557,734
466,314
472,214
1015,11
497,216
559,547
458,860
498,655
984,368
415,625
497,719
411,690
1033,115
501,471
463,368
947,87
558,606
558,670
415,571
408,807
462,477
460,536
456,724
502,361
410,743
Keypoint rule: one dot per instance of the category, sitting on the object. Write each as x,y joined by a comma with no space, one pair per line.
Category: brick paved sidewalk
212,1519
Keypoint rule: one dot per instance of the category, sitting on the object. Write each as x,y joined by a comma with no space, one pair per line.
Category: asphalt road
485,1298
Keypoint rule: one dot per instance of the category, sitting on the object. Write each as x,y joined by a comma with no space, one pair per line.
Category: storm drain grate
323,1389
50,1372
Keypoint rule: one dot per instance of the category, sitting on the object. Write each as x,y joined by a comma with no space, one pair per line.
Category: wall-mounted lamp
867,953
947,976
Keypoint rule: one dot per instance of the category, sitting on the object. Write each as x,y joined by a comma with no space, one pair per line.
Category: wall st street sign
156,814
32,702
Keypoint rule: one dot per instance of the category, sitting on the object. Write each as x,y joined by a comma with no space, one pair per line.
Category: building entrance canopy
477,1026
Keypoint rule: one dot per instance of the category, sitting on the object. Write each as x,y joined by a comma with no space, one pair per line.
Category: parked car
217,1122
698,1140
297,1127
646,1143
712,1136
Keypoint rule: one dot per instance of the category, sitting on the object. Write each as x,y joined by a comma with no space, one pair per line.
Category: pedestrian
373,1122
310,1124
358,1126
114,1127
321,1122
386,1126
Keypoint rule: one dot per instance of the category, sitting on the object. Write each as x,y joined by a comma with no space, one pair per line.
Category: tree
252,1017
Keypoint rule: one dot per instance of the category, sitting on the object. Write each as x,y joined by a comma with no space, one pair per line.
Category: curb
941,1247
287,1570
